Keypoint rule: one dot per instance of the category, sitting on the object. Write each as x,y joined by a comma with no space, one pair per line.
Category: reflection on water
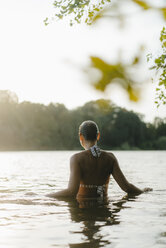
94,215
30,219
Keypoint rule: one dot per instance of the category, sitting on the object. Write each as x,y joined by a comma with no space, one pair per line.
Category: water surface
28,219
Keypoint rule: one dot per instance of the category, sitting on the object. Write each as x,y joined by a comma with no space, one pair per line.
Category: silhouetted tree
32,126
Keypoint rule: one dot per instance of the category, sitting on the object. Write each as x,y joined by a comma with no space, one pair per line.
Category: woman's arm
74,181
122,181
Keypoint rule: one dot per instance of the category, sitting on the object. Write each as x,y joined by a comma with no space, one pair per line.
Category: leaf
108,71
142,4
160,83
149,57
158,60
153,67
111,73
136,60
163,10
46,21
134,94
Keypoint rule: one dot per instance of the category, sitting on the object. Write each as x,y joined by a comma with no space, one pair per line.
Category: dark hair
89,130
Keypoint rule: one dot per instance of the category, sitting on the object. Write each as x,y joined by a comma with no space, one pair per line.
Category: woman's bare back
95,171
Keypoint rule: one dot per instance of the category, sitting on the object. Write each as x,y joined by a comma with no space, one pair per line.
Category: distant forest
32,126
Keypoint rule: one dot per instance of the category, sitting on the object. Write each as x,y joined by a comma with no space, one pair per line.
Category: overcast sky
44,63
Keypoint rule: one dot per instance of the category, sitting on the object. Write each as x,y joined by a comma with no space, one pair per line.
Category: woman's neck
89,144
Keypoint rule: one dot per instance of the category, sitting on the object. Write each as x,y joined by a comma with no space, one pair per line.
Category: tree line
33,126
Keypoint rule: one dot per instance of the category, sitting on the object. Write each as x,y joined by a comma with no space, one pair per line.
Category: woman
90,170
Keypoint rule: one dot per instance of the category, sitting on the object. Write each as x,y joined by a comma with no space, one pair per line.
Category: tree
159,64
7,96
32,126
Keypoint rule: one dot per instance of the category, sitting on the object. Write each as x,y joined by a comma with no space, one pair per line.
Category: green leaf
136,60
110,73
163,10
46,21
142,4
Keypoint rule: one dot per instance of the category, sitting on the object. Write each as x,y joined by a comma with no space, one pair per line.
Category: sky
46,63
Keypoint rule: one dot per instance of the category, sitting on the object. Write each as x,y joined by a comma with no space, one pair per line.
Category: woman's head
89,130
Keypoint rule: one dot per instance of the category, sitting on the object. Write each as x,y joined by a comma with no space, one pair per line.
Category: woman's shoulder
79,155
109,155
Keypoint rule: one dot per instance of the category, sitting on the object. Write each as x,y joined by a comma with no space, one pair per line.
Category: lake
29,219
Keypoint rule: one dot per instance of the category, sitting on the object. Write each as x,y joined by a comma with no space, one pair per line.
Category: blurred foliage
116,10
7,96
32,126
161,143
119,73
159,64
78,10
89,11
